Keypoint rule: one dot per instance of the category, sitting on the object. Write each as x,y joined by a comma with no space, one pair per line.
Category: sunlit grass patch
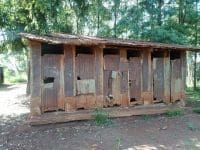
102,117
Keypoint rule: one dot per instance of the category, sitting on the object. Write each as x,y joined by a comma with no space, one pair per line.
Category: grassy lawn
193,97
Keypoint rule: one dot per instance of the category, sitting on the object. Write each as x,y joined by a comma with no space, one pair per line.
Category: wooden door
158,80
111,80
135,69
176,82
52,94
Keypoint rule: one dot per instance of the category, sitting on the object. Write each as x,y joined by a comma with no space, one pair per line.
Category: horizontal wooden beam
57,117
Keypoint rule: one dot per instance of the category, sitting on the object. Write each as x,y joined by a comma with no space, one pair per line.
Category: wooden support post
147,94
183,72
99,69
35,78
69,70
166,76
123,68
69,77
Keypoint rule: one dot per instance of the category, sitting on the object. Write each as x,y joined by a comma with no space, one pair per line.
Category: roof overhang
59,38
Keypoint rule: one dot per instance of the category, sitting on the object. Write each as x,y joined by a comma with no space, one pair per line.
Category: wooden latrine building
72,75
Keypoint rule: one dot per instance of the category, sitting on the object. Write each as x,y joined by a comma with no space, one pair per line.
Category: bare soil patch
130,133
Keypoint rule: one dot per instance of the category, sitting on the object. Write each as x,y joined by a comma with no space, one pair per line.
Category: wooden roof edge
60,38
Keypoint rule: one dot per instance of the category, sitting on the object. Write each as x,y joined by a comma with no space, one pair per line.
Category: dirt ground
157,132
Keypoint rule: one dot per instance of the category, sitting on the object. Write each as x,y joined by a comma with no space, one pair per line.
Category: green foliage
193,97
102,117
174,113
154,20
197,110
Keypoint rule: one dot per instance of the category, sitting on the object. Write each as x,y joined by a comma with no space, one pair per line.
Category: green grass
102,117
175,113
196,110
193,97
11,77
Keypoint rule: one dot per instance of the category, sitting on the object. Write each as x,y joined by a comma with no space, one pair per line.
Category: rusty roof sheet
60,38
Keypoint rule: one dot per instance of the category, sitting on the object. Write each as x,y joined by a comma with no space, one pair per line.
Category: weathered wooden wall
135,80
158,79
86,81
52,91
69,77
167,73
178,76
123,68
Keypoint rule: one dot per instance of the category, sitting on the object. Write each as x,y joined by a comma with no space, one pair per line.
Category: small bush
174,113
101,117
197,110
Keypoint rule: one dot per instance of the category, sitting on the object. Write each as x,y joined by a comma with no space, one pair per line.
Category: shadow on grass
6,87
193,97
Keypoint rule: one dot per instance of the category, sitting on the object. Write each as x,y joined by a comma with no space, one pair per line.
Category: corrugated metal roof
59,38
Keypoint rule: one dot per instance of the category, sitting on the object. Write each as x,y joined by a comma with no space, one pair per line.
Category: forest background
166,21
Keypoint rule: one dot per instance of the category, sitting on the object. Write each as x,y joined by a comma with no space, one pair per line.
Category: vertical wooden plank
123,55
146,70
107,85
70,104
158,79
167,73
50,90
176,82
99,101
116,88
35,77
90,101
111,62
81,102
123,68
99,69
61,97
69,70
147,76
84,64
52,95
183,69
124,82
135,69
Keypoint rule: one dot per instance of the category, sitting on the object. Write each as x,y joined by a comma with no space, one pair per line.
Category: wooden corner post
35,77
99,74
147,93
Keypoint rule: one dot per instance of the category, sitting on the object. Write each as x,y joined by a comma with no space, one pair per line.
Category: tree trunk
195,71
1,75
195,53
160,3
98,16
28,87
115,23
